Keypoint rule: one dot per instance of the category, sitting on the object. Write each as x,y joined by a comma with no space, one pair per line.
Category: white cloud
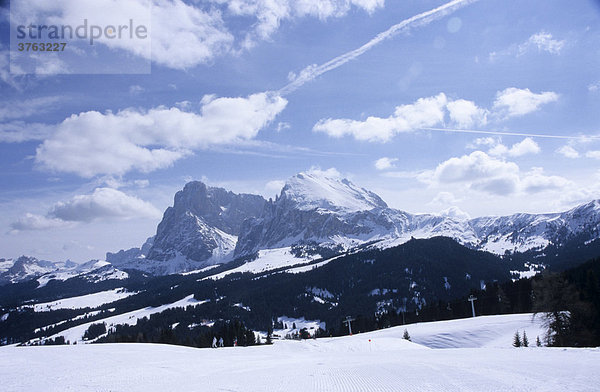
5,74
466,114
186,34
385,163
425,112
524,147
37,222
28,107
482,172
103,203
19,131
135,89
431,111
535,181
568,152
443,198
544,42
403,174
282,126
513,102
541,41
593,87
455,213
332,172
483,141
92,143
182,35
593,154
269,14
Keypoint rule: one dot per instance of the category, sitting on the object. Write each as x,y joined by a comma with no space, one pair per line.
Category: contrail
499,133
422,19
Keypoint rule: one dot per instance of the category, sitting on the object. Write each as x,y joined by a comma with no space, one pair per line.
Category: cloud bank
429,112
92,143
103,203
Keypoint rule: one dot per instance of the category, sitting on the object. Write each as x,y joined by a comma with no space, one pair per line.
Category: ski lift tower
348,321
472,300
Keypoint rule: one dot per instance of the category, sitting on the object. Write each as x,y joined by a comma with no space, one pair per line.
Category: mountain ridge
320,210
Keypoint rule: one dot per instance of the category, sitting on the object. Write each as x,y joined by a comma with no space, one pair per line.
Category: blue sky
89,161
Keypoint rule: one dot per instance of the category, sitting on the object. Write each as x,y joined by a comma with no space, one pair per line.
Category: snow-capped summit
24,268
326,190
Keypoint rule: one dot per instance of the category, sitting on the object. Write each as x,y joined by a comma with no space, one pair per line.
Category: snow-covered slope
25,268
75,334
378,361
93,271
267,260
84,301
326,191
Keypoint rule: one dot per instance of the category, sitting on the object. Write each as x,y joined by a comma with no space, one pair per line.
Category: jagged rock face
203,224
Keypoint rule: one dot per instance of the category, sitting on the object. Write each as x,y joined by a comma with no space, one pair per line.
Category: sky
470,108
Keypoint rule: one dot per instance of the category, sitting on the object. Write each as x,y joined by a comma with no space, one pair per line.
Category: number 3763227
41,47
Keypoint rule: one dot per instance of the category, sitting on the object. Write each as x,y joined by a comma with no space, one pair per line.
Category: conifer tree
406,335
538,342
517,340
525,341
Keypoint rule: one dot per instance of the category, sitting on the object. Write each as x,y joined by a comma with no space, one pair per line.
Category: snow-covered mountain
24,268
320,210
27,268
324,191
199,230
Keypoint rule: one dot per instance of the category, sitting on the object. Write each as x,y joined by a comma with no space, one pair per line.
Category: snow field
268,259
85,301
339,364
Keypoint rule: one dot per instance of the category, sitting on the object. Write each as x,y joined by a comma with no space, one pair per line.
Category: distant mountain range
322,250
316,214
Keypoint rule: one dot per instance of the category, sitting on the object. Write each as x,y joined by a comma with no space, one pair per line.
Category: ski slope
375,361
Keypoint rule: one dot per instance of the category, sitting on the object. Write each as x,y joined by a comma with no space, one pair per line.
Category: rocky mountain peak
327,190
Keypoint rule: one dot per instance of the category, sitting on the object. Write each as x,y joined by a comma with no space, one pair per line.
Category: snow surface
85,301
75,334
89,269
268,259
327,191
482,331
200,270
377,361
